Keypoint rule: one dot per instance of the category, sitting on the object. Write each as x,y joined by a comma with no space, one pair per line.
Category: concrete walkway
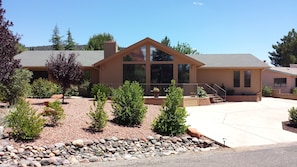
241,124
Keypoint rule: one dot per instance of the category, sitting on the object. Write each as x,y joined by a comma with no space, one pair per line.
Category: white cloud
196,3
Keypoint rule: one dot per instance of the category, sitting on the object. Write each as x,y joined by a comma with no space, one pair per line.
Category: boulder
194,132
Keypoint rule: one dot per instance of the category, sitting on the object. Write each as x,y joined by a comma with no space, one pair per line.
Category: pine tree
69,43
56,39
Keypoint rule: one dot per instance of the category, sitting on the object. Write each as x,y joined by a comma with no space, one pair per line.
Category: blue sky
210,26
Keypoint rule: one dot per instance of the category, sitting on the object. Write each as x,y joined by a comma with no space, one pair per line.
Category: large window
247,79
134,72
161,73
236,79
158,55
183,73
136,55
280,82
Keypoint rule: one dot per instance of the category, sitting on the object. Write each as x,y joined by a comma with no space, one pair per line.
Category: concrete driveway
241,124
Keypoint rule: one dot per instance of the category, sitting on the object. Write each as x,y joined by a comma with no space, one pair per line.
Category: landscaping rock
194,132
109,149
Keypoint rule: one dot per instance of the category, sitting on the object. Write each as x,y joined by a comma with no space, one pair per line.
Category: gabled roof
143,42
229,61
39,58
285,70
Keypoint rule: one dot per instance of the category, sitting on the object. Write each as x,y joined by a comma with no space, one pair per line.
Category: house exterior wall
268,80
225,77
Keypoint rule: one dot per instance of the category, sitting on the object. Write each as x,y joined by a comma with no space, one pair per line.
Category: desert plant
266,91
293,116
294,91
43,88
55,112
24,121
128,104
172,120
201,92
104,89
97,114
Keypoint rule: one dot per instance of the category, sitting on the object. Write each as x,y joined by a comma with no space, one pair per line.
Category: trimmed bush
266,91
18,88
43,88
104,89
84,89
97,114
128,104
293,116
24,121
55,112
172,120
72,91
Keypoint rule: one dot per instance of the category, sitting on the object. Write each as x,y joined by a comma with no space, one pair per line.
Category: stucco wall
225,76
268,80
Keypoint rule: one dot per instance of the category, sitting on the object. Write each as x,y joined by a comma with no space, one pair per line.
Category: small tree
24,121
172,119
293,116
64,71
18,88
97,114
128,104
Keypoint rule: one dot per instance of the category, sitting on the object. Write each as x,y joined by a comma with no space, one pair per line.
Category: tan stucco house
153,64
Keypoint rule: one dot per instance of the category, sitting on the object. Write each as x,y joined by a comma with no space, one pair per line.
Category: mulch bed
289,127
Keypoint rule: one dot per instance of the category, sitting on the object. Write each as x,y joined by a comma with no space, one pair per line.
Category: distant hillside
49,47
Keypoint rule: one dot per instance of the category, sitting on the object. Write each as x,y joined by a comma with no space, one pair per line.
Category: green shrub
294,91
18,88
293,116
128,104
266,91
172,120
72,91
230,92
104,89
24,121
98,115
55,112
84,89
201,92
43,88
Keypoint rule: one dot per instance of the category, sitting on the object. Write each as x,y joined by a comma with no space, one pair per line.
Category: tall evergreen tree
285,52
69,43
166,41
56,39
8,50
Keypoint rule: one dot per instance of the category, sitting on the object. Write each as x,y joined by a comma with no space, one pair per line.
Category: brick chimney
110,48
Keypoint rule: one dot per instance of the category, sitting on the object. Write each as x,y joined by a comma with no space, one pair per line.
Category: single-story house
154,64
281,78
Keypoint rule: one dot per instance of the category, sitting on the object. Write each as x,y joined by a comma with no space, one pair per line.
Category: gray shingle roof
285,70
39,58
229,60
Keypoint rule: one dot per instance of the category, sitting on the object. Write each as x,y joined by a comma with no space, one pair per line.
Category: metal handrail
223,94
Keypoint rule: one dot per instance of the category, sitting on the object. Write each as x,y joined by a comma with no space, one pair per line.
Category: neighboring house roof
285,70
39,58
229,60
